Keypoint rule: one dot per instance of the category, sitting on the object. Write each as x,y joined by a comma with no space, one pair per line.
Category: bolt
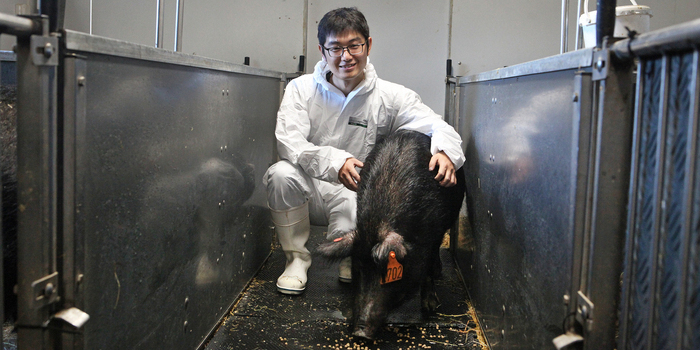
566,299
80,278
48,50
48,290
575,97
600,64
81,80
187,300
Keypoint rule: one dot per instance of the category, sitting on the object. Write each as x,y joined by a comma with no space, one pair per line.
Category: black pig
402,211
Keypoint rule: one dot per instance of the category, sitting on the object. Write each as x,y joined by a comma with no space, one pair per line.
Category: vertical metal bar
449,30
36,161
179,14
691,168
564,27
55,10
305,33
73,113
578,27
605,20
581,169
159,23
658,195
613,142
631,207
90,17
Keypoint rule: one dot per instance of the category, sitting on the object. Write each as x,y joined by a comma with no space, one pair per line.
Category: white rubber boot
345,270
292,228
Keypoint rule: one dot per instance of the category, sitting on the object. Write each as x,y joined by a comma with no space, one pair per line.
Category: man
326,125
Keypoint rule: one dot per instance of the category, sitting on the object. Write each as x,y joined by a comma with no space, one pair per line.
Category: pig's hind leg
428,292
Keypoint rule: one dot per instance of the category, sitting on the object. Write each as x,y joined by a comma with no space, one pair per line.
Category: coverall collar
321,70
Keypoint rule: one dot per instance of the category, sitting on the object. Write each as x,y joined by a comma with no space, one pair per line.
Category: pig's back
397,184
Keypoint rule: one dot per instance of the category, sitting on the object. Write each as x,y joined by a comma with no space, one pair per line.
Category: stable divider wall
162,218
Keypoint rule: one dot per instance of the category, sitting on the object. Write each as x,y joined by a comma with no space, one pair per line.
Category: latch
45,290
584,312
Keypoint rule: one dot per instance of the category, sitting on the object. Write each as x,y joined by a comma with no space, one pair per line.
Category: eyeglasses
337,51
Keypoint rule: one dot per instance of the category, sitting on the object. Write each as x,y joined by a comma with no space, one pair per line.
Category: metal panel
547,168
516,252
169,212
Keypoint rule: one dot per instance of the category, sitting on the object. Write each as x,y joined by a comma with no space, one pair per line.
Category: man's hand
348,176
446,169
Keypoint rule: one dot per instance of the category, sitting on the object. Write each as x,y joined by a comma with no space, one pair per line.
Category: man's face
347,67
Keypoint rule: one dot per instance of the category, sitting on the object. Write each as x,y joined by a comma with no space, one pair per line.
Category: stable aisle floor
320,318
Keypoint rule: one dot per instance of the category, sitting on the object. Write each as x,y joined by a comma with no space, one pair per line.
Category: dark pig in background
402,216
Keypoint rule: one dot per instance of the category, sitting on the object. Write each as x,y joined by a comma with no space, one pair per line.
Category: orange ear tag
394,270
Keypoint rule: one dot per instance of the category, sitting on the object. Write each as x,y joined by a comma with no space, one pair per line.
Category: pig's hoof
430,302
362,331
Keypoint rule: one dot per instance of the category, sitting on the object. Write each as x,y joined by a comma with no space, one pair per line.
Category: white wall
411,37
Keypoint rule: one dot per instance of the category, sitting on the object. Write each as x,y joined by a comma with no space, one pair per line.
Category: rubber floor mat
320,318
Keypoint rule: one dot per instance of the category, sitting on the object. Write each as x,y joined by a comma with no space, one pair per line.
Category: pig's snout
363,331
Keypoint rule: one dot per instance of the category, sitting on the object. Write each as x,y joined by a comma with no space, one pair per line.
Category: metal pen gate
660,306
140,196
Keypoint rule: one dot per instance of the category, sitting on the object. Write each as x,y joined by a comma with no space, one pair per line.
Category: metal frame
37,195
76,41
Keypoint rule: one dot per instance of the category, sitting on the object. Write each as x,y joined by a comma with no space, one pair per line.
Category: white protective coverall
319,128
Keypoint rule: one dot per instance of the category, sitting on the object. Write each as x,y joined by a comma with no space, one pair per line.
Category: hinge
45,290
584,311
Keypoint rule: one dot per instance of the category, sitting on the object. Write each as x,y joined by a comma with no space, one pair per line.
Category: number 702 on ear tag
394,270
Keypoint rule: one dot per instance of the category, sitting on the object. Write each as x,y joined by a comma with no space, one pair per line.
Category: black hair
341,19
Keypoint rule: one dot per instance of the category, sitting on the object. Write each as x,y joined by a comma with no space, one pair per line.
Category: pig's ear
392,242
339,248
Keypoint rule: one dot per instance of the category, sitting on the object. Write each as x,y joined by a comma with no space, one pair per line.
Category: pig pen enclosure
139,202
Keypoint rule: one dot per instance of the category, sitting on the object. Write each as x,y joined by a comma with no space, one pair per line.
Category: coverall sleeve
413,114
292,133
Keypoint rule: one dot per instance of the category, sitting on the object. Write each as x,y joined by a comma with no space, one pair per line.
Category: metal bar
659,196
684,36
691,168
569,60
55,10
37,192
632,206
305,33
179,14
581,168
564,26
449,30
578,27
605,21
613,141
77,41
159,23
71,249
19,26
